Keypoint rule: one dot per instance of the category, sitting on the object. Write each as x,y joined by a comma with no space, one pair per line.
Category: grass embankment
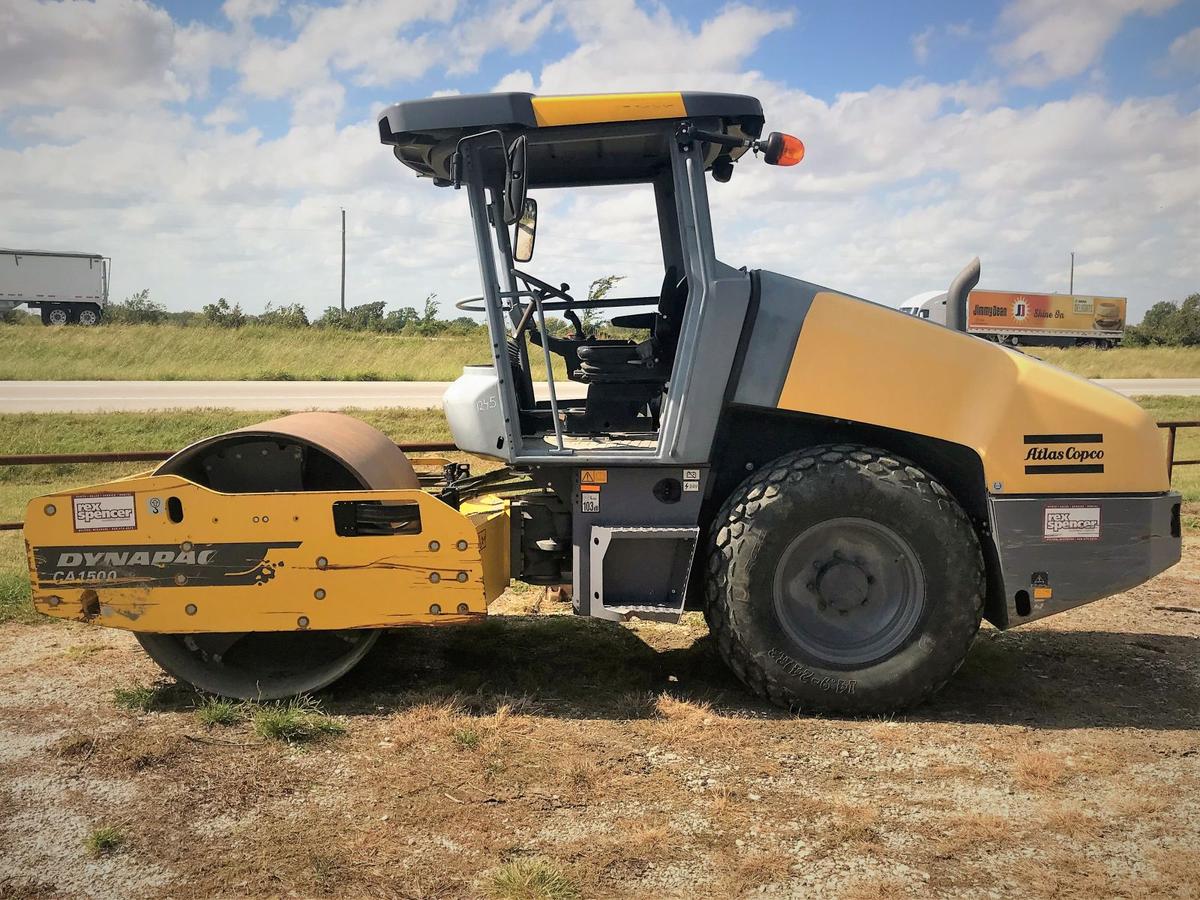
254,353
263,353
103,432
1125,362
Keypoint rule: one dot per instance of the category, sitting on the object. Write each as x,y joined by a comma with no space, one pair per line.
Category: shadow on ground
561,666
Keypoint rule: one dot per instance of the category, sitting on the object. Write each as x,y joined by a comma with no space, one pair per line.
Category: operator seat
649,361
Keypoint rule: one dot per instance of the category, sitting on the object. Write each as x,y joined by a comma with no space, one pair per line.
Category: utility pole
1070,290
344,259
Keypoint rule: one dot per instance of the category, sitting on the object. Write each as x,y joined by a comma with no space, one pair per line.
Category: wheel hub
849,591
842,586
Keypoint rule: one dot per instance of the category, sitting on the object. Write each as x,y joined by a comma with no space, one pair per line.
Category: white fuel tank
472,407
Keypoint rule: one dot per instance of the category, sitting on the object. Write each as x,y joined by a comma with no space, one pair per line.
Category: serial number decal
104,512
808,676
1071,523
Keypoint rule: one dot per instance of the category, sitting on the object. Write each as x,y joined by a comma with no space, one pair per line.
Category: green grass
103,841
257,353
467,738
532,878
1124,362
254,353
135,699
295,721
214,711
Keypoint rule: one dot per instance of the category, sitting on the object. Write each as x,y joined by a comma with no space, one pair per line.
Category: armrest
636,320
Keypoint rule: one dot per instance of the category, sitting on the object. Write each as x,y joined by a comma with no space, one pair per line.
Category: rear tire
56,314
843,578
87,314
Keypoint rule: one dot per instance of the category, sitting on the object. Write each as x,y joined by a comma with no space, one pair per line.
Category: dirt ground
1063,760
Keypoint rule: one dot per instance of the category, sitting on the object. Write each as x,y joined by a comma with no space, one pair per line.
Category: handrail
1172,429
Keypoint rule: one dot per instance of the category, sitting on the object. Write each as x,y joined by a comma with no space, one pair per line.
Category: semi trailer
68,288
1036,320
758,454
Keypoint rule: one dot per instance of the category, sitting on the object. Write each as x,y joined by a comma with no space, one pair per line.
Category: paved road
96,396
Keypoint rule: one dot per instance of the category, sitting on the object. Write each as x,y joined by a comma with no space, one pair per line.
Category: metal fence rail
42,459
37,459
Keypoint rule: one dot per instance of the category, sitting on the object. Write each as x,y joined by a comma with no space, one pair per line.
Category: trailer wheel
87,314
55,314
843,578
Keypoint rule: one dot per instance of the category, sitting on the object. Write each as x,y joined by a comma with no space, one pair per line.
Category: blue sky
208,147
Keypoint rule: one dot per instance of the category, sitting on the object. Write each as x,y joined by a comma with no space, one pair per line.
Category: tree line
1168,324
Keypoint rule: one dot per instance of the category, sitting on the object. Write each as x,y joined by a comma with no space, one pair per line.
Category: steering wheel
535,283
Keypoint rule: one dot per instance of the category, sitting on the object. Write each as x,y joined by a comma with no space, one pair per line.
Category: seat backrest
671,303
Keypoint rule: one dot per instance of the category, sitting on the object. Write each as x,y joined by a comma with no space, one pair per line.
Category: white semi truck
68,288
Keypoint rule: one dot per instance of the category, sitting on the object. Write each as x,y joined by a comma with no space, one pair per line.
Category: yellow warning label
593,476
1043,593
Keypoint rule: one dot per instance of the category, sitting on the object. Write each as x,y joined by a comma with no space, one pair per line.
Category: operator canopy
572,140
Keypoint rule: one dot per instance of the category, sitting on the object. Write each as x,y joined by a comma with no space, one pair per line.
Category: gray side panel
1138,538
783,304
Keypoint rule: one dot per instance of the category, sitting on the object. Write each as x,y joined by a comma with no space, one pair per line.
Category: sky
208,148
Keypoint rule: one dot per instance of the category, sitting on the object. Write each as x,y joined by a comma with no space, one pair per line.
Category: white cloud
920,45
1055,39
1184,52
901,184
120,52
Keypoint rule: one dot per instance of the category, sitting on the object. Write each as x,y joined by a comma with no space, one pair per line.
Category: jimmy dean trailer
68,288
1037,320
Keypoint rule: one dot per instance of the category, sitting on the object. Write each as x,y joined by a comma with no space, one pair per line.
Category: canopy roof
581,139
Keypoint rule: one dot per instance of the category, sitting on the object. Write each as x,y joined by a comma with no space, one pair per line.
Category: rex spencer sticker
1071,523
104,512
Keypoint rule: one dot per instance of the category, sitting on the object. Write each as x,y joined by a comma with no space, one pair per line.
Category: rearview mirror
514,181
526,232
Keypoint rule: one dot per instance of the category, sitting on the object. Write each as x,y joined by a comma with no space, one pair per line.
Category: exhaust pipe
956,297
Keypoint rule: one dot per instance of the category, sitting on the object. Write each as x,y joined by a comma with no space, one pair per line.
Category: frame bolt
50,509
462,545
54,600
463,609
434,609
181,579
302,621
462,576
186,546
434,577
322,562
319,593
190,609
435,546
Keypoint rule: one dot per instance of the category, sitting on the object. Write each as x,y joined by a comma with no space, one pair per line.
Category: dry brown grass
1039,770
1070,820
970,833
751,872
